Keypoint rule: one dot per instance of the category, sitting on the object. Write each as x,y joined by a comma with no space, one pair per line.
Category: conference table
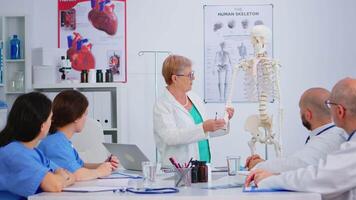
220,186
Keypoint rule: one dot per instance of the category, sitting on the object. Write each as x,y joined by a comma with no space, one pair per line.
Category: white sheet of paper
112,183
243,173
89,189
120,175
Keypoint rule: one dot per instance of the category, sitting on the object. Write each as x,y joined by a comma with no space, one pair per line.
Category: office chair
88,143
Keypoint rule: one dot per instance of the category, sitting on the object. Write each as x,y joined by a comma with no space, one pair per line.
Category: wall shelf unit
103,102
15,72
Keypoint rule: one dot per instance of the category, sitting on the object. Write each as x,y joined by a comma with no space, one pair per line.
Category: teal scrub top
204,149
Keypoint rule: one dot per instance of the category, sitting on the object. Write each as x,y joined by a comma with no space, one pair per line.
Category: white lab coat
175,132
334,177
317,148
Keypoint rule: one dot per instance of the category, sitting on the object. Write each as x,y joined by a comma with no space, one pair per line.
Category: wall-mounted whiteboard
226,43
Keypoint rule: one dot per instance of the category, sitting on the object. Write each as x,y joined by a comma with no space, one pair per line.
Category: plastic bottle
15,48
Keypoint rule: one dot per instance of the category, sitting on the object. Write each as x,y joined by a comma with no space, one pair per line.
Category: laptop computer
130,155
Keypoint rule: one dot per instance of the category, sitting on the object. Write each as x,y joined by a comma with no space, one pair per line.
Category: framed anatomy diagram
227,43
94,35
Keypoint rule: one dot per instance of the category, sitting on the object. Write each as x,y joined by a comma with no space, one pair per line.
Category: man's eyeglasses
328,103
190,75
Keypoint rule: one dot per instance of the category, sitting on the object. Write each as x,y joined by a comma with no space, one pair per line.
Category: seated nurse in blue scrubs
24,170
70,110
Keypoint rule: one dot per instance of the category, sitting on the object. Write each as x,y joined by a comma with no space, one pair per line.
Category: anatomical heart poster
94,34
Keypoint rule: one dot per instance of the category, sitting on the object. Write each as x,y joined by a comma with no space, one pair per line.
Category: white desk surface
193,192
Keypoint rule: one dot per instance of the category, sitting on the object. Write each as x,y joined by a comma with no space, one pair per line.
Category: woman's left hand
230,111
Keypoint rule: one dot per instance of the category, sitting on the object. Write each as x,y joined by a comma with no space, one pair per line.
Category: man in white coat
324,136
334,177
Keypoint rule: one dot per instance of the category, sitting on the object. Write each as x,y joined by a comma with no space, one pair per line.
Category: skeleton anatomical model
261,80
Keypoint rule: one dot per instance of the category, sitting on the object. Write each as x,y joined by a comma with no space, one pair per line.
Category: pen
174,163
216,115
190,161
109,158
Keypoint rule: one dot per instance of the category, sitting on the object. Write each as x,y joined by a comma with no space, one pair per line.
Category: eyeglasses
190,75
328,103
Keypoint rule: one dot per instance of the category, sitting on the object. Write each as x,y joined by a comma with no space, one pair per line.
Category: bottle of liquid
15,48
203,172
109,76
99,76
84,76
194,171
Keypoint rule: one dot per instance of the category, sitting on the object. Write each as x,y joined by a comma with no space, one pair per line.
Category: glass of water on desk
233,165
149,170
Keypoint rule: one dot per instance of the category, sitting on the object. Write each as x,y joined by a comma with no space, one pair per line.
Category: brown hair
68,106
172,65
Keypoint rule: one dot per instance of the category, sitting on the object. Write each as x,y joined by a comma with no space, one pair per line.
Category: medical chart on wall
94,34
226,43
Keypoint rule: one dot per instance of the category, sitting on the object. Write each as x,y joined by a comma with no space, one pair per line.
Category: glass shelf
15,92
15,60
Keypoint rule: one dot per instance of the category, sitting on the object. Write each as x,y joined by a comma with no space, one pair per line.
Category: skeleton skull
260,36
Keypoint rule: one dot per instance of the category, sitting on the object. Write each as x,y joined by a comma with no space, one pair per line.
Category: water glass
149,170
233,165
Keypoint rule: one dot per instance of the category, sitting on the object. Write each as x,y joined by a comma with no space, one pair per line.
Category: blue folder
256,189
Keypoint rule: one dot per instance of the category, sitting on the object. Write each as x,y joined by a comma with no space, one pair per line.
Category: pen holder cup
183,177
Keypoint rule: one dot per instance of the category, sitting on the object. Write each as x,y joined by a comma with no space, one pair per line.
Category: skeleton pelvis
255,125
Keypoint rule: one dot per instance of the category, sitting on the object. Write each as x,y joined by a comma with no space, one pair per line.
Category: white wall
313,39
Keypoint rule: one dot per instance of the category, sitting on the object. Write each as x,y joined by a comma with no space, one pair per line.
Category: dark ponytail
26,117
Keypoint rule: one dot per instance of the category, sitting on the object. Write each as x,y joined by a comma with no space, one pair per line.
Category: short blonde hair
174,64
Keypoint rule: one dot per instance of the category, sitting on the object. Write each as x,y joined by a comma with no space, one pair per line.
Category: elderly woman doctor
181,129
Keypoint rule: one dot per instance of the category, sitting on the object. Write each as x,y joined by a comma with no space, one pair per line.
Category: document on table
224,186
120,175
219,169
89,189
243,173
112,182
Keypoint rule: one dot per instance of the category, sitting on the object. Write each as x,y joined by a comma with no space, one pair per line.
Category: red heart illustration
102,16
79,53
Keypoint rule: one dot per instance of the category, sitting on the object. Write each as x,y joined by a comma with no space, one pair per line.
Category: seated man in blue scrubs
70,110
24,170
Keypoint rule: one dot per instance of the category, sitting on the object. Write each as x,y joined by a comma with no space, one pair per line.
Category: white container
45,74
47,56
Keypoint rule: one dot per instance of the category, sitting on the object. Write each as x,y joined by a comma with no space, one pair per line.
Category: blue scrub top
60,150
22,170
